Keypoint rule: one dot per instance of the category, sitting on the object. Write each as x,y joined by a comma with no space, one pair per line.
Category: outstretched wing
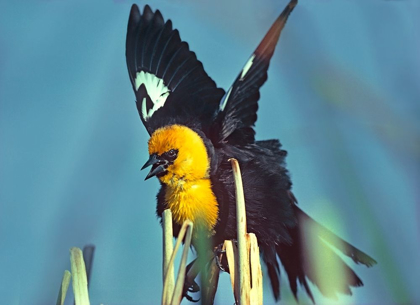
167,78
238,107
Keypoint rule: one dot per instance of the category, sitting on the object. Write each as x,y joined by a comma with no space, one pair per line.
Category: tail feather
326,270
307,289
347,249
273,273
311,257
293,262
269,255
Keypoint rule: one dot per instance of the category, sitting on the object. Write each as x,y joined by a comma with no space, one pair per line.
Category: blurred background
343,96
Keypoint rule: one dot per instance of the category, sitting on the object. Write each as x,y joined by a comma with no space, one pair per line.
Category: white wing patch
245,70
247,66
156,90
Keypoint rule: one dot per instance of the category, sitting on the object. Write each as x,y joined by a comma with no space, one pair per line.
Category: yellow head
177,153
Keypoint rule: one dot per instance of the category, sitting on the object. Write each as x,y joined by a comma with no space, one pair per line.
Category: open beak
158,166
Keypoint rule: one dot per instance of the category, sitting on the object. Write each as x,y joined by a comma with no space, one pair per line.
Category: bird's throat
193,200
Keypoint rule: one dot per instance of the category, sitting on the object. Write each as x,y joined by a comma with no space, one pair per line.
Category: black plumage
187,96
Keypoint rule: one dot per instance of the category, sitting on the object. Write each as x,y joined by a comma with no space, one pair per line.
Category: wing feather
166,76
237,111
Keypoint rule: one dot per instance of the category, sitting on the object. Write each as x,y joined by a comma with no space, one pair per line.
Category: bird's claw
218,252
191,288
190,298
219,263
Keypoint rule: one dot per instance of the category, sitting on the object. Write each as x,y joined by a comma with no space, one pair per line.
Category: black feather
152,46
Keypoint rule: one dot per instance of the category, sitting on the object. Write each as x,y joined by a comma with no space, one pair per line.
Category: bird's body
196,128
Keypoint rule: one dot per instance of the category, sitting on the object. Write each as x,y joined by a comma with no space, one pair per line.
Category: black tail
311,257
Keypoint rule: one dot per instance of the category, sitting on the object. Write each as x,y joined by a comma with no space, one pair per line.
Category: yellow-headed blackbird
196,127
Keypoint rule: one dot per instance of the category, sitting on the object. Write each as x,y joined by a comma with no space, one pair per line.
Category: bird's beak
158,166
152,160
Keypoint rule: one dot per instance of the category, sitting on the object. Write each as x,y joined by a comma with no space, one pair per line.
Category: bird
195,127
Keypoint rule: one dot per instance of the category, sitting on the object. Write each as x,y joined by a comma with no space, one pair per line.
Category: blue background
343,96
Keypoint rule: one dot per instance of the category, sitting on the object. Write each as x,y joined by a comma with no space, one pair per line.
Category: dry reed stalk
80,283
174,296
63,287
168,249
246,283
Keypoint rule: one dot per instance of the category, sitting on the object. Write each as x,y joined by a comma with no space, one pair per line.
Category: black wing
167,78
238,107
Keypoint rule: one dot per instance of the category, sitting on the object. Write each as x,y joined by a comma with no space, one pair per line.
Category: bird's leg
193,269
190,285
218,256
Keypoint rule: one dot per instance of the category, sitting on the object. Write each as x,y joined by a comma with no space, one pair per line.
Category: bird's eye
172,153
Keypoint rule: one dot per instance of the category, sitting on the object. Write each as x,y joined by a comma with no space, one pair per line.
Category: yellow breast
193,200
